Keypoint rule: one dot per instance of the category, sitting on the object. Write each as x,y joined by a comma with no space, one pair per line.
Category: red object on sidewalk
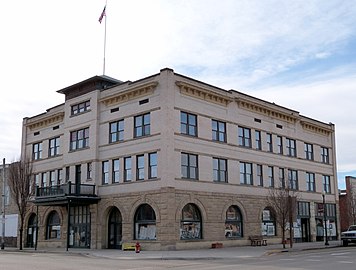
137,247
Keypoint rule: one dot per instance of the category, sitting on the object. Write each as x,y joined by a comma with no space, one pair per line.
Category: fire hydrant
137,247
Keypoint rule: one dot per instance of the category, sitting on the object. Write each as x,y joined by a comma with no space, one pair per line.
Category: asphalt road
326,259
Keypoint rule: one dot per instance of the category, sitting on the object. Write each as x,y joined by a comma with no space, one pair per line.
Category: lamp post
326,230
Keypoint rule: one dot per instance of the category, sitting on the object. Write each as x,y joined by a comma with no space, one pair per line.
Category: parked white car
349,236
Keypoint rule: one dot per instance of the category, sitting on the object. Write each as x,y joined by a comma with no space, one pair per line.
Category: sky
299,54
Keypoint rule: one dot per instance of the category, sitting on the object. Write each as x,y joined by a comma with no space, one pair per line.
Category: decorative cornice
267,111
203,94
129,94
315,128
46,121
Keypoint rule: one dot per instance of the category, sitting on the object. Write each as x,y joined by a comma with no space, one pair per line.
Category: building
347,199
173,163
8,208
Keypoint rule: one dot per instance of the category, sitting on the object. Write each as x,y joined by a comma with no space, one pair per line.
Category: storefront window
268,223
145,223
191,224
53,226
233,222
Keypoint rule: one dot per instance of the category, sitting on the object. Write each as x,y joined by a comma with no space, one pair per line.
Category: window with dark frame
37,151
233,222
79,139
269,142
127,169
270,176
310,179
219,170
59,177
244,136
52,178
89,170
258,140
140,167
259,173
325,155
189,166
53,226
291,147
105,172
293,179
246,176
152,165
116,131
309,153
116,171
282,181
80,107
142,125
218,131
53,149
188,124
326,184
280,145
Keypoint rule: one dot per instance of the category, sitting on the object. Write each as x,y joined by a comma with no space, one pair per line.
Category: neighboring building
173,163
11,211
348,203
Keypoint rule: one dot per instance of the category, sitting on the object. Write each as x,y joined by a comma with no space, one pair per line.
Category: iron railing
67,189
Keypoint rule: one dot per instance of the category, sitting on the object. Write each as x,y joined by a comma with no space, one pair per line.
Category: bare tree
282,200
19,181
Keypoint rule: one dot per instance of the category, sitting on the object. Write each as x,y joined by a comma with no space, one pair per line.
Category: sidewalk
220,253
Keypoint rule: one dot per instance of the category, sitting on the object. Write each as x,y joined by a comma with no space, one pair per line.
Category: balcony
81,194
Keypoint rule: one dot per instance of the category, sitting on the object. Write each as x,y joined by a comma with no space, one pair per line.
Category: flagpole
105,39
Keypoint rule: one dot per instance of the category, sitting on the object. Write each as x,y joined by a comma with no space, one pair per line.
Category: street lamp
326,230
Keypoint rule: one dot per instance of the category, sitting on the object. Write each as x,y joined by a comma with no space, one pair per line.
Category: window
116,131
105,172
152,163
244,137
52,178
246,173
259,175
191,223
188,124
326,184
127,169
80,107
145,223
37,151
270,176
268,222
79,139
89,170
53,147
309,153
189,166
38,180
219,131
59,177
279,145
116,171
291,150
293,179
269,142
324,155
44,179
219,170
282,181
233,222
67,173
310,178
142,125
258,140
140,167
53,226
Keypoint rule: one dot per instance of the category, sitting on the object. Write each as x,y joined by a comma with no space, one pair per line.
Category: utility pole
3,206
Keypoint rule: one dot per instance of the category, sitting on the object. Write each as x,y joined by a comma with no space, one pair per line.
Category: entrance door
115,229
305,229
31,231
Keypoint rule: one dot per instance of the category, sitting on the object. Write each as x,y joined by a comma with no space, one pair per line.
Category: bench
128,246
257,240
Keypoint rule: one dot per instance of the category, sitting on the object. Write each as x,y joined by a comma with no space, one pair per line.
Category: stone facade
176,163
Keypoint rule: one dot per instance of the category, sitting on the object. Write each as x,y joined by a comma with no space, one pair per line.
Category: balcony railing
67,189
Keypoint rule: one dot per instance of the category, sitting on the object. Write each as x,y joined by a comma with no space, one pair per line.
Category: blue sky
299,54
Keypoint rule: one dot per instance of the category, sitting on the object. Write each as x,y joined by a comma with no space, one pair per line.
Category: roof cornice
45,121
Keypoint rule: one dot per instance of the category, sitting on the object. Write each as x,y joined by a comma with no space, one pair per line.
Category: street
335,258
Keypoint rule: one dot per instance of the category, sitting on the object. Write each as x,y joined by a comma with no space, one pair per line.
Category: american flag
102,15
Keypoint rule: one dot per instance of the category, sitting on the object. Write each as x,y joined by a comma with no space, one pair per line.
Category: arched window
268,222
53,226
115,229
31,231
145,223
233,222
191,223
